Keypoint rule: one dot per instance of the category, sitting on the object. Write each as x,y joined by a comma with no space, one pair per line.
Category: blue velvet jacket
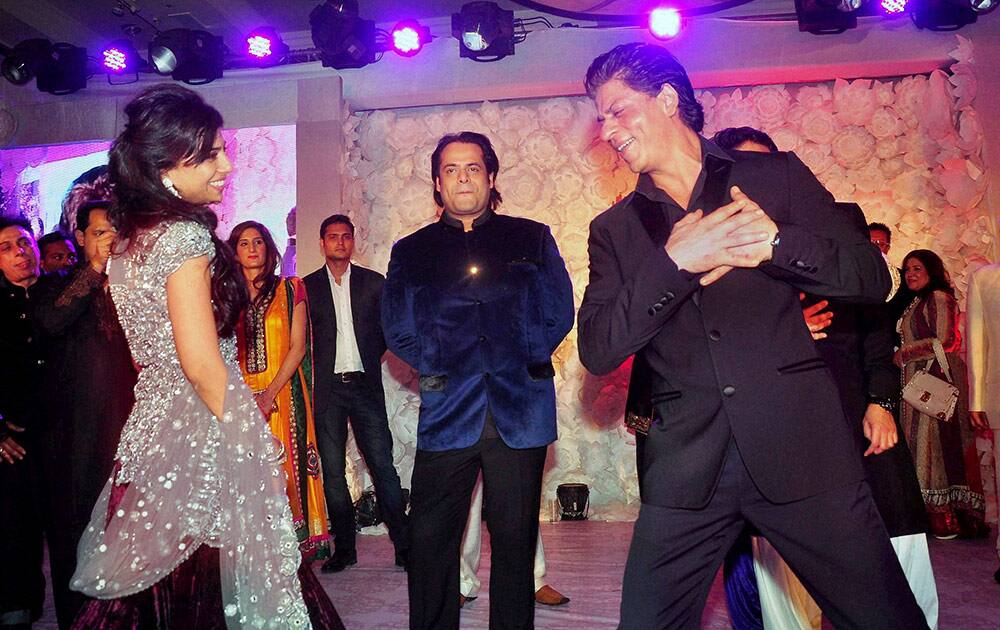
478,314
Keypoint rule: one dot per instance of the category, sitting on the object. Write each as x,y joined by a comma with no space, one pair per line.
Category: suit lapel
357,282
716,191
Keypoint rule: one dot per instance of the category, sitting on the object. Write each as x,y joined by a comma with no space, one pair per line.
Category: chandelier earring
169,185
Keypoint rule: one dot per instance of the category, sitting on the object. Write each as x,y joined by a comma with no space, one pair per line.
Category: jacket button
482,337
728,391
658,306
669,295
651,311
714,335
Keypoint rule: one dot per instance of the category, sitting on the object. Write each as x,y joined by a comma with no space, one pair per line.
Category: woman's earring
169,185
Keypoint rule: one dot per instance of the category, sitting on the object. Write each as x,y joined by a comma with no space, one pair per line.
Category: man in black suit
345,313
699,270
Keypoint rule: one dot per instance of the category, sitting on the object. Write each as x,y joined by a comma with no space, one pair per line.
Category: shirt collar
709,151
451,221
346,276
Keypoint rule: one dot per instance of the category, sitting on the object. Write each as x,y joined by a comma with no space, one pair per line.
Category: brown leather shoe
550,596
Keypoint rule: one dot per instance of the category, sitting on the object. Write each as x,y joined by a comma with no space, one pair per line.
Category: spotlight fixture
827,17
24,60
344,40
120,56
485,31
64,70
893,7
192,56
265,47
664,22
408,38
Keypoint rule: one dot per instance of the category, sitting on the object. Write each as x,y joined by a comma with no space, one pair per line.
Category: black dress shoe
401,559
338,562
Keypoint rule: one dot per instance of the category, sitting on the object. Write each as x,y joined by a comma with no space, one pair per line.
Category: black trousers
364,405
442,491
835,542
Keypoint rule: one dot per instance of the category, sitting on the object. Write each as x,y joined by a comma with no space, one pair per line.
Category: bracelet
884,402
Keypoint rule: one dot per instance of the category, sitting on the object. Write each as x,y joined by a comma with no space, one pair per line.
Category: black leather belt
348,377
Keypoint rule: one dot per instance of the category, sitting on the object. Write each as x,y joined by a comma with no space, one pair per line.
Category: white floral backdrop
907,150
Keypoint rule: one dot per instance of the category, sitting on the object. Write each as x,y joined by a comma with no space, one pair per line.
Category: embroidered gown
944,453
264,335
193,529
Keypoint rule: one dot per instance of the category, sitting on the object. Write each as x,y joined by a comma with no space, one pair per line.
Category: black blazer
735,359
366,310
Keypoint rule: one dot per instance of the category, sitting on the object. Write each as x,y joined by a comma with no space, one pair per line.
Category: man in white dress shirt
345,314
982,327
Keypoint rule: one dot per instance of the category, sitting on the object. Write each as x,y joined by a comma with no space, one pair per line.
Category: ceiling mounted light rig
485,32
827,17
193,56
264,47
344,39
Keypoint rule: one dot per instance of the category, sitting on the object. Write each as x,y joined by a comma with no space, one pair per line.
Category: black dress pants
364,404
835,542
441,493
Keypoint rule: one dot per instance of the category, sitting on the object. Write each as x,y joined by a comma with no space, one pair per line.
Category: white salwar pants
472,544
786,605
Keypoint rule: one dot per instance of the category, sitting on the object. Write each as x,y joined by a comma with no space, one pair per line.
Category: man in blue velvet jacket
477,303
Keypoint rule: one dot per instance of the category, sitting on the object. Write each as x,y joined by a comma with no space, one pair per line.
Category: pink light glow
115,60
664,22
259,46
406,40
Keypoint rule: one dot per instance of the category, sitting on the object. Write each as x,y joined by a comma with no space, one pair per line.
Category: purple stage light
115,60
893,7
259,46
664,22
408,38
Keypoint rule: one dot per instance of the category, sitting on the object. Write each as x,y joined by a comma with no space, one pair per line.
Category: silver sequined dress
189,478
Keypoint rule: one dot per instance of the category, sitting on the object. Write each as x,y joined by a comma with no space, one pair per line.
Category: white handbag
929,394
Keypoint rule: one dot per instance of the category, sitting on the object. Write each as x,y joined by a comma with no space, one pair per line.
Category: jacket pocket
433,383
806,365
541,371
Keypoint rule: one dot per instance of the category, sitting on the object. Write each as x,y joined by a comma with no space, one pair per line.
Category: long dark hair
937,274
168,125
267,280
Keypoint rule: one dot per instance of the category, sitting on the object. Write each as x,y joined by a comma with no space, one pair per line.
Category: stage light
827,17
265,47
664,22
119,57
408,38
22,63
64,70
192,56
344,40
894,7
484,30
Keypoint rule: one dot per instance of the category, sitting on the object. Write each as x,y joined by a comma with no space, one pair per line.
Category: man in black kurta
87,393
699,270
22,585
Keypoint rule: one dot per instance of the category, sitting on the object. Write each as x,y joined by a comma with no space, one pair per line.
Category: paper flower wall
907,150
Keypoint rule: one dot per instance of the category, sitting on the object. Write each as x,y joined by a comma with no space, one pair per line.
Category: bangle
883,402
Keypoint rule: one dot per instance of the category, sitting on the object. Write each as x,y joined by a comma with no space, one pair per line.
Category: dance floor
585,561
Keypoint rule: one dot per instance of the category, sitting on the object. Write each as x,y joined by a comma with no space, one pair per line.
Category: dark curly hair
168,125
937,274
267,280
732,137
646,68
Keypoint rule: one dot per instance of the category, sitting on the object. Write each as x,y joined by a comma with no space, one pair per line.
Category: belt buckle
346,377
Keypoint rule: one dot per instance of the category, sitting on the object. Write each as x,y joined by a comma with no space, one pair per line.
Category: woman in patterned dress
944,452
276,359
193,529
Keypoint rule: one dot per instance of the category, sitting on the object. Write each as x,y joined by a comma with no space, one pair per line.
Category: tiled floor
586,560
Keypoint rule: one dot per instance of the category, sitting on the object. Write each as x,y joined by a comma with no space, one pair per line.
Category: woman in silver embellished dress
193,529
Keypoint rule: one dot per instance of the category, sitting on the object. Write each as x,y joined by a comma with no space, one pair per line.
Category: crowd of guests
142,354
